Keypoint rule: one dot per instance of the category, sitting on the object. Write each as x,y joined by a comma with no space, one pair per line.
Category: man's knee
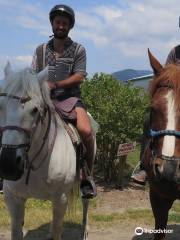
83,123
86,132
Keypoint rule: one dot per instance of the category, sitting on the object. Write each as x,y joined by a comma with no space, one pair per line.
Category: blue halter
155,134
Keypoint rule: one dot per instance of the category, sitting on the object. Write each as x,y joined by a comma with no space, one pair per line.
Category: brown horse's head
165,120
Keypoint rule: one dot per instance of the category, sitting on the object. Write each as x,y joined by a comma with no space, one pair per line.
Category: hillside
130,73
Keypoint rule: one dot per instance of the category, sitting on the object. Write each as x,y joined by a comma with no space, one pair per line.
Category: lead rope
142,158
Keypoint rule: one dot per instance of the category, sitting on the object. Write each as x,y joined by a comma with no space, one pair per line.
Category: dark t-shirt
172,57
72,61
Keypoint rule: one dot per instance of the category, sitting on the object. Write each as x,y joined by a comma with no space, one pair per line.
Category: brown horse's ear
155,64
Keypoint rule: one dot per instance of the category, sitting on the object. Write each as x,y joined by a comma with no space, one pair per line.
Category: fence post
122,154
120,170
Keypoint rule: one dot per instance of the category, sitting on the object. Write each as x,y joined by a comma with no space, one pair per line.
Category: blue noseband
155,134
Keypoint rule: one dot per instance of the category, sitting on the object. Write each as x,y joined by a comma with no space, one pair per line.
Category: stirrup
142,180
88,188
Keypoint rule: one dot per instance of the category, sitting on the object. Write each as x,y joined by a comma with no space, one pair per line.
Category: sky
115,33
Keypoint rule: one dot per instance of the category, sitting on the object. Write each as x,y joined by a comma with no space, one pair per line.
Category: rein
30,165
21,99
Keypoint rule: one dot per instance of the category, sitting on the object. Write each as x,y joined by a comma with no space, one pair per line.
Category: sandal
88,188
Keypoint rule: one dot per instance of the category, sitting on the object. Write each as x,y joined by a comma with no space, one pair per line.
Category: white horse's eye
34,110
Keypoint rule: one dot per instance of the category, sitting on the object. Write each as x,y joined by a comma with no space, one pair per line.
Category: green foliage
119,109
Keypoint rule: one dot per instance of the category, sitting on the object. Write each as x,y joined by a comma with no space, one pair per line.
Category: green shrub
119,109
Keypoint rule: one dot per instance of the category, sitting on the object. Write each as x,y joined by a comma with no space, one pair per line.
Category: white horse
31,129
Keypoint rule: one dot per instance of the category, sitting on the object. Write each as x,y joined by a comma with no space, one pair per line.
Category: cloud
140,24
120,32
139,21
26,15
24,59
110,14
125,33
94,37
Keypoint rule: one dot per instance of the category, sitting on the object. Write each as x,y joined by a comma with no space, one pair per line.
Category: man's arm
78,71
171,58
74,80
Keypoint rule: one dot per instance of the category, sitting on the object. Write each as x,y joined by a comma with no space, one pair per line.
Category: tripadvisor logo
140,230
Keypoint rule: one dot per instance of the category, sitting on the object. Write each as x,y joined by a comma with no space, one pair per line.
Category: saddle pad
73,133
94,126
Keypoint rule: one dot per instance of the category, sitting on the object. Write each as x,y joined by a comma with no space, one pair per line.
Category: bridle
29,134
157,134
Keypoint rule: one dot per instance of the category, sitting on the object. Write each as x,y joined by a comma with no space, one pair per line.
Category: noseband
156,134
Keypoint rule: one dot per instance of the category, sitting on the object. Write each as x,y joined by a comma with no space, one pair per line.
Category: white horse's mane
25,83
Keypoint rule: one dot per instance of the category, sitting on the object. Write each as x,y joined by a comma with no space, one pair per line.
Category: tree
119,109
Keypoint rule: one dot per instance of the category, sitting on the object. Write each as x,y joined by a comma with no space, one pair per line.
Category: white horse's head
23,102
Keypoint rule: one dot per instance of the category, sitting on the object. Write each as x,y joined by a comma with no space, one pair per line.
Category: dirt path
108,201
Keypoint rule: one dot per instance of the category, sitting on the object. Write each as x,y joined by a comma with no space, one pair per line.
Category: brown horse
162,155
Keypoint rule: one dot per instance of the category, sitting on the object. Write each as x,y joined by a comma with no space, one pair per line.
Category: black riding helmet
62,10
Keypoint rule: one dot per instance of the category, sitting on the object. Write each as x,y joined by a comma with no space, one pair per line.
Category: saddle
65,109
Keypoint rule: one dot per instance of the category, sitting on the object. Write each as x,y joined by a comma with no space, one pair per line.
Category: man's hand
51,85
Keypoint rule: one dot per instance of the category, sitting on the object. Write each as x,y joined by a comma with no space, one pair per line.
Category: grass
38,213
131,162
142,216
133,157
176,206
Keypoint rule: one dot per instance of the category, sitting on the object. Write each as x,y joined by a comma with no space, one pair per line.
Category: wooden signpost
126,148
122,153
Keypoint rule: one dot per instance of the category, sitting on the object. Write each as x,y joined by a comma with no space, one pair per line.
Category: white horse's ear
7,70
43,75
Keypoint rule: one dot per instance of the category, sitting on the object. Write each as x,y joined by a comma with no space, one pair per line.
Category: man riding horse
66,62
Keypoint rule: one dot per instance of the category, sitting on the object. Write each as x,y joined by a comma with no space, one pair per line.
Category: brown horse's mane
170,76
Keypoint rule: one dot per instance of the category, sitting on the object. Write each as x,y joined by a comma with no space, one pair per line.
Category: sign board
126,148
